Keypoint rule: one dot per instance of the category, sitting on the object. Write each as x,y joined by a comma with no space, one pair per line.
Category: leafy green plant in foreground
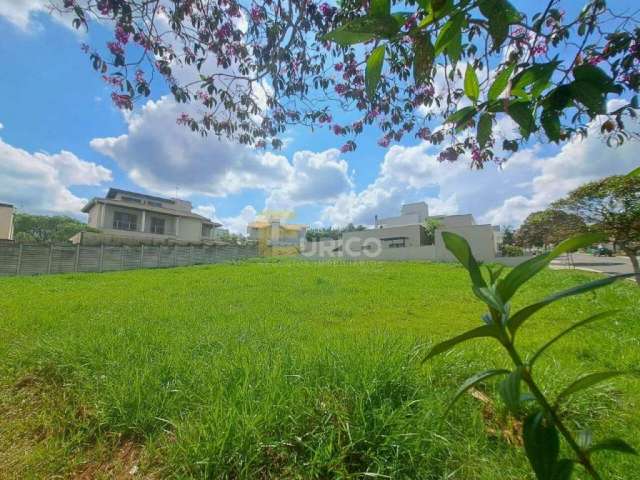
544,425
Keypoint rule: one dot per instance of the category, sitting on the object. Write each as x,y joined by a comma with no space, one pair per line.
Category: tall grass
283,370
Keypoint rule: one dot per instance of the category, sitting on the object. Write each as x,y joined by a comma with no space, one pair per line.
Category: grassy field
287,370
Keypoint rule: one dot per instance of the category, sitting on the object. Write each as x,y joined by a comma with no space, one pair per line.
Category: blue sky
62,142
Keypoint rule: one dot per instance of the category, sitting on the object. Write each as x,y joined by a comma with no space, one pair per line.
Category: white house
405,238
137,217
7,212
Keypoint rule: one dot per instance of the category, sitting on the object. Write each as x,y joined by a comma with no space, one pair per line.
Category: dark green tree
46,229
548,227
612,206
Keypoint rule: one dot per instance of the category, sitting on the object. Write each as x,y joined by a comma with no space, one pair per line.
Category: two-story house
6,221
140,217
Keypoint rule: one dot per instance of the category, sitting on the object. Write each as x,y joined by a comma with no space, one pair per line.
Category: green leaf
462,116
518,318
537,75
423,59
435,10
588,381
563,469
522,114
472,381
471,84
615,444
363,29
460,249
586,321
500,83
373,71
380,8
479,332
454,48
489,297
485,125
448,32
509,390
634,173
590,96
550,121
558,99
500,14
592,74
541,444
523,272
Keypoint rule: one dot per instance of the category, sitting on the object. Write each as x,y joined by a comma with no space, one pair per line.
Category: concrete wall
419,208
6,222
455,220
480,238
190,229
414,233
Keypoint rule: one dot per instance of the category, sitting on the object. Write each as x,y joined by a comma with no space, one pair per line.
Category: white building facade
144,218
405,238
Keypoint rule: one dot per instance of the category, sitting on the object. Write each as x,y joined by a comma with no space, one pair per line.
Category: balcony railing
131,227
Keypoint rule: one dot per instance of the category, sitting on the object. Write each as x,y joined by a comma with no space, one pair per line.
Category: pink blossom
325,9
140,76
594,60
338,67
341,89
113,81
115,48
424,133
256,13
348,147
104,6
384,141
122,101
337,129
325,118
183,119
121,35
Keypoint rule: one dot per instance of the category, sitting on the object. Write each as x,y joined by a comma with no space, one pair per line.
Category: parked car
603,252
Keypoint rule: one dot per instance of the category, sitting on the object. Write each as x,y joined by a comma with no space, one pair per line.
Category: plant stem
552,414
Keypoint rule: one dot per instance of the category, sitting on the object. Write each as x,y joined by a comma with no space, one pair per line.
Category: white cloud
238,224
315,177
529,181
576,163
39,182
1,126
158,154
21,13
406,174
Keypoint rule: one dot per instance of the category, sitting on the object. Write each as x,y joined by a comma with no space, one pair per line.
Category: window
125,221
206,230
394,242
157,225
154,204
131,200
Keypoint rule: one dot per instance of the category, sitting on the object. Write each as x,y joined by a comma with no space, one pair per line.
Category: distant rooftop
6,205
113,192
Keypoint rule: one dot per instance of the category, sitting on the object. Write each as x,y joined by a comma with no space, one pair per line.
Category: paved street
608,265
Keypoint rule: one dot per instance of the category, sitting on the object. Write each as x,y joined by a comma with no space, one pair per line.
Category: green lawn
287,370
